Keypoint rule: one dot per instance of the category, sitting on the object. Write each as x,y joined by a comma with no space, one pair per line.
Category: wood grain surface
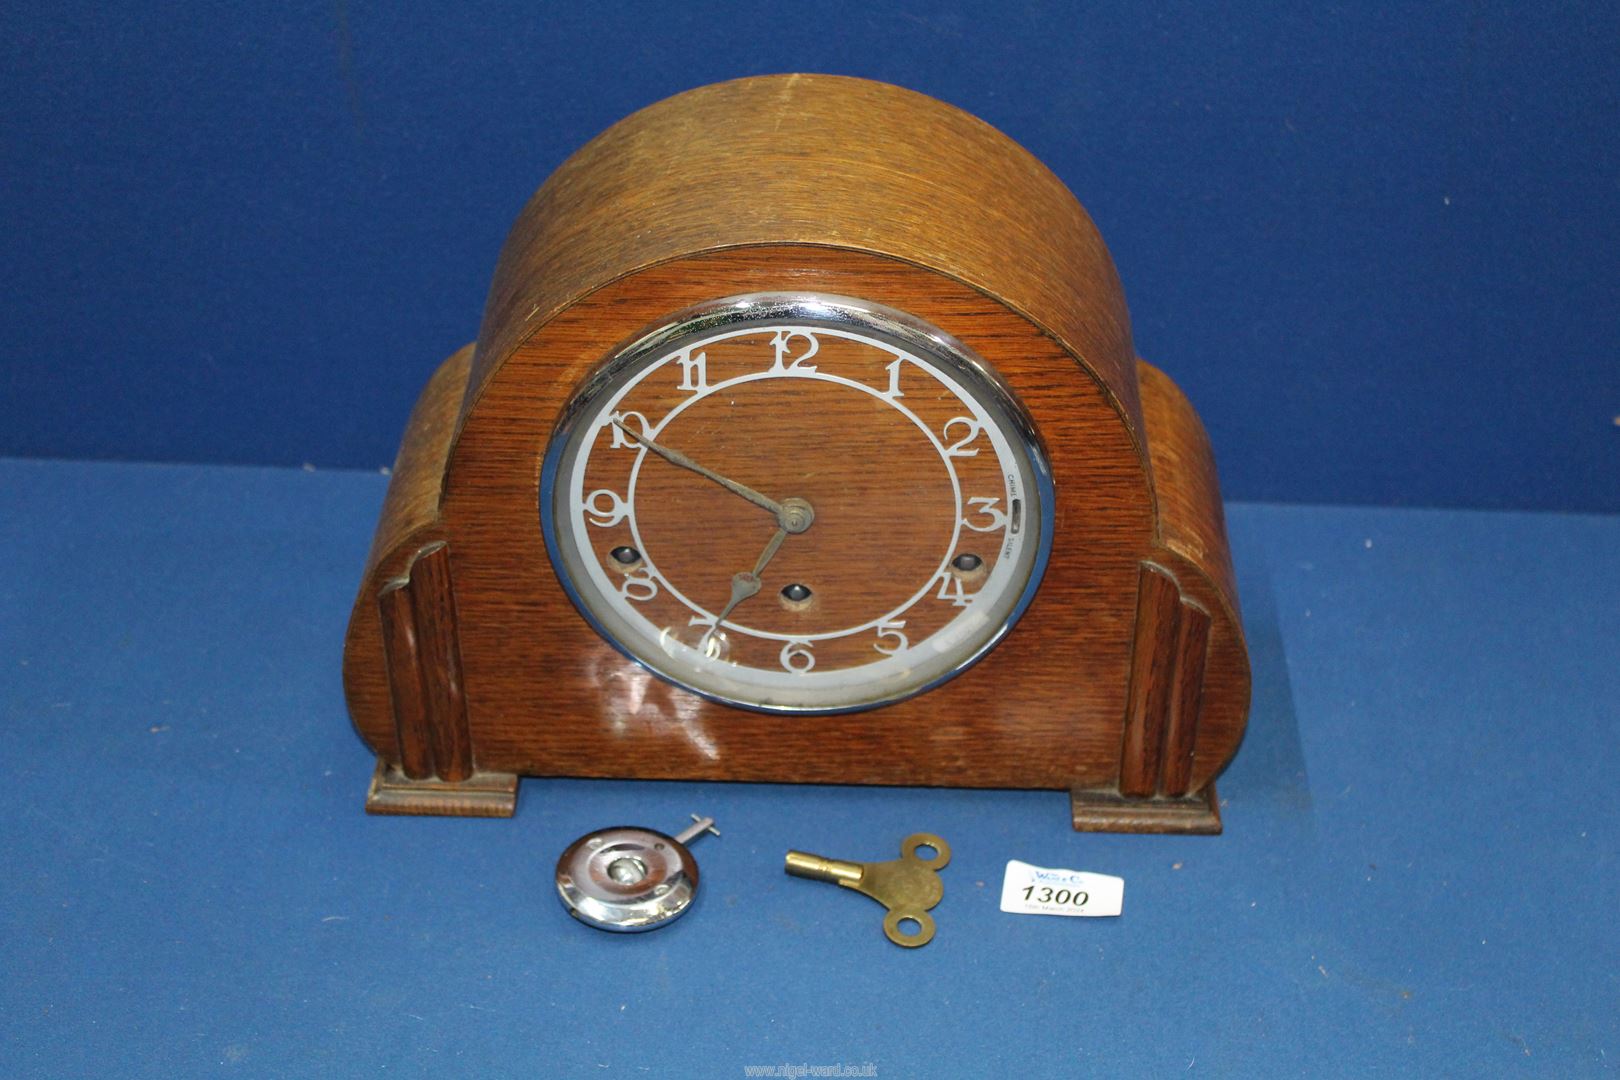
813,159
1151,681
846,187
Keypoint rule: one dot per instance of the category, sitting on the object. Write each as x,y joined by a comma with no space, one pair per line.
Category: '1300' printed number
1048,895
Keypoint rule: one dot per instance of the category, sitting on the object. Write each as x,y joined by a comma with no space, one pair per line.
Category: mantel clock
803,440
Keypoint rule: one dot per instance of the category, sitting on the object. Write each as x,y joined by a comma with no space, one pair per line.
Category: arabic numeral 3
981,507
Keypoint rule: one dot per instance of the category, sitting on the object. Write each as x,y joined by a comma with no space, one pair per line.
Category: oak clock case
823,456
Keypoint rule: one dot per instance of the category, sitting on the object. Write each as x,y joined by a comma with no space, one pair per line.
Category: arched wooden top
818,160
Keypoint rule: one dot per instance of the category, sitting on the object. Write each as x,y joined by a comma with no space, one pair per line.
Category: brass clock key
907,886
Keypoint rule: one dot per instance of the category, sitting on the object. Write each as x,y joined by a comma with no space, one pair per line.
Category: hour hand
745,584
675,457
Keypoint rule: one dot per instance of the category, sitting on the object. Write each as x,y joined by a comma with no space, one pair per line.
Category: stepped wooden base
484,794
1109,811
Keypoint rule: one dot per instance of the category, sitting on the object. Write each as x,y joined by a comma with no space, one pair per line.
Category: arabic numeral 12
785,360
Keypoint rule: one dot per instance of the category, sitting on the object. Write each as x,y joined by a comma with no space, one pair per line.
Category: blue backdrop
1379,247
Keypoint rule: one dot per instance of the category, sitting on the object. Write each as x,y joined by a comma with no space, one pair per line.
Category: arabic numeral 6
797,657
1045,894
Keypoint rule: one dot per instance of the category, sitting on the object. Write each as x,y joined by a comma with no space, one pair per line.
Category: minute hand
675,457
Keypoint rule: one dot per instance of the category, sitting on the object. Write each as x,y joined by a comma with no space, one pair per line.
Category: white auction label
1036,890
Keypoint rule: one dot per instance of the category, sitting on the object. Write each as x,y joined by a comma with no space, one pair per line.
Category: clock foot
1164,710
1109,811
483,794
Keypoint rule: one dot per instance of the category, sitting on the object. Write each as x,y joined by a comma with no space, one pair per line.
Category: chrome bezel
763,311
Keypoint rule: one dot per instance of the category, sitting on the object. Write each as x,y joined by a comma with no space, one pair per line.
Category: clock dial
797,503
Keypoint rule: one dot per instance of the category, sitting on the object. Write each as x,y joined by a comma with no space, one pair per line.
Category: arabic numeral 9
1047,895
605,508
